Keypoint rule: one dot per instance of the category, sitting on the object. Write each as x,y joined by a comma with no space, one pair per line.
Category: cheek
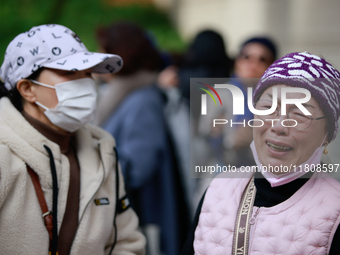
48,98
54,101
305,147
259,134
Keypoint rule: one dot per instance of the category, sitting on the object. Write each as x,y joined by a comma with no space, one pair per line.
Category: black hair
265,41
3,90
14,94
208,49
133,44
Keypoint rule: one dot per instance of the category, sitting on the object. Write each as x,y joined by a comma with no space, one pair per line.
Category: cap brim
99,62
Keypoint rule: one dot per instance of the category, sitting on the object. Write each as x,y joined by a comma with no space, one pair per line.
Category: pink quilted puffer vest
303,224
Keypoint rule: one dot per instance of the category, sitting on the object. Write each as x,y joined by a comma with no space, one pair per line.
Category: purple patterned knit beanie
302,69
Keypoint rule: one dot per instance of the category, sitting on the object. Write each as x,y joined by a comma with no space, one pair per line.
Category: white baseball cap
52,46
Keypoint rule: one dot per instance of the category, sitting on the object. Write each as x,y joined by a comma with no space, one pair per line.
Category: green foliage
83,17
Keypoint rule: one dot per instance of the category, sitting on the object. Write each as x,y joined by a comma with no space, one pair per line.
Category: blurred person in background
206,57
177,118
61,189
135,116
255,56
142,64
230,145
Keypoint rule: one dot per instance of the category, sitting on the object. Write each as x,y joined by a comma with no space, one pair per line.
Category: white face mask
77,100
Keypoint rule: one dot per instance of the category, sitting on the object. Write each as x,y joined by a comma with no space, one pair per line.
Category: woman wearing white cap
61,189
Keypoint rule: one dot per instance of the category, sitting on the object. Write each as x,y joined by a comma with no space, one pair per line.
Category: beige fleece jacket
22,230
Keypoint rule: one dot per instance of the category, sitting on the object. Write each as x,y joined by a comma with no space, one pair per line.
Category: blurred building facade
296,25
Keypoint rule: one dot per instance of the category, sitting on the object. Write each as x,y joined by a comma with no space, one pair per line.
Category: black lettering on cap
110,68
35,51
35,68
56,51
63,63
55,36
20,61
31,33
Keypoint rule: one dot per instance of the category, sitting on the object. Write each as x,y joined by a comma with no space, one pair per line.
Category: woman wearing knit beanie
287,203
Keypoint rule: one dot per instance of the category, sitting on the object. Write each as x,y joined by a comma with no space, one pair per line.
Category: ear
27,90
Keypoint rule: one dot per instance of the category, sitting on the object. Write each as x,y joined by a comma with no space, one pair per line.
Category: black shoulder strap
117,200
